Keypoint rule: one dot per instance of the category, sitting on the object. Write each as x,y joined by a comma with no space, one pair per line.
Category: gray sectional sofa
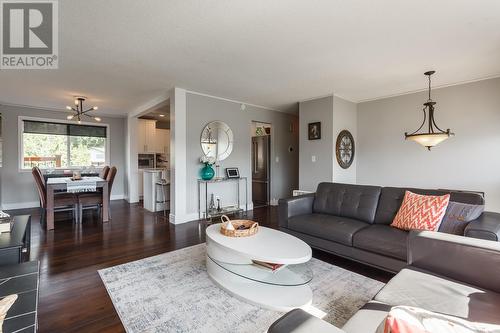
353,221
448,274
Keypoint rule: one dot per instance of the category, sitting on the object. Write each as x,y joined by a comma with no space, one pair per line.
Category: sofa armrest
487,226
300,205
469,260
299,321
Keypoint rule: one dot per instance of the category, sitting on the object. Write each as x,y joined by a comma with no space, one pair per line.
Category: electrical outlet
277,159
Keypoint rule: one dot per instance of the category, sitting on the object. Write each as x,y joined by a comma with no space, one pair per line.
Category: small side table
15,246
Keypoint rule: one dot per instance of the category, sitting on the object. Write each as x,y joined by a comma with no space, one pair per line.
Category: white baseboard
35,204
20,205
178,219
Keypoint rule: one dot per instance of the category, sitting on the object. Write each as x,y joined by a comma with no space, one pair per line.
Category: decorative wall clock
345,149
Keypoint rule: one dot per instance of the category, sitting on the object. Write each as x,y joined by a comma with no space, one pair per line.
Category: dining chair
104,172
93,200
62,201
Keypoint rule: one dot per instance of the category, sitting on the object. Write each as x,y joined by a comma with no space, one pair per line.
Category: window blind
87,130
41,127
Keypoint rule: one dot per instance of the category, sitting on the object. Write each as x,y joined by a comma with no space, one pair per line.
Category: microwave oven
146,161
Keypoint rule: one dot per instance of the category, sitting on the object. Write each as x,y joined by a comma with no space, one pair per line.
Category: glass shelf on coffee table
289,275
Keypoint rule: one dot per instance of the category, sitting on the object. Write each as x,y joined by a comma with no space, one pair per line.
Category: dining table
60,184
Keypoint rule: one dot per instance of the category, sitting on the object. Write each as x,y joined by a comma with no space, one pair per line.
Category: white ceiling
124,53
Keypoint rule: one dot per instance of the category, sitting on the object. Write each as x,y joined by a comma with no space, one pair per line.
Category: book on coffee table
268,265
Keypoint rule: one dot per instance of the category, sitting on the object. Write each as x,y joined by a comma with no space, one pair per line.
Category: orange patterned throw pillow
421,212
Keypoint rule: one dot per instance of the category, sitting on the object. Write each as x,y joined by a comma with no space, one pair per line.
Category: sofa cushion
346,200
382,239
392,197
329,227
368,318
414,287
299,321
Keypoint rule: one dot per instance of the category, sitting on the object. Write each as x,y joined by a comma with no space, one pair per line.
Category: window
51,145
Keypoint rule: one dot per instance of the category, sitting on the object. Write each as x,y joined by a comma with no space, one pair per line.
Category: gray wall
311,173
468,161
17,188
345,117
335,115
1,159
284,173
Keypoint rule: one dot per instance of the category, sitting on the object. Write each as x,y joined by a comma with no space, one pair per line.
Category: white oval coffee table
230,265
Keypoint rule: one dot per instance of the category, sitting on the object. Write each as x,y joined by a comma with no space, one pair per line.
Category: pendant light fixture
434,135
80,112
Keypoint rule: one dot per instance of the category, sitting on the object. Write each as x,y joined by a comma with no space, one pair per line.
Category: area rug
172,292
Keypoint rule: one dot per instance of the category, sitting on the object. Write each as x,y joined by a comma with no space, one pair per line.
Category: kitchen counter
154,169
153,192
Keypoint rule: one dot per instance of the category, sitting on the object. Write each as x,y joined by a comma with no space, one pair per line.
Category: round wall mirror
217,140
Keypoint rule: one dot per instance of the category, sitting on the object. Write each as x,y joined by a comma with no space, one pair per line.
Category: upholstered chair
94,200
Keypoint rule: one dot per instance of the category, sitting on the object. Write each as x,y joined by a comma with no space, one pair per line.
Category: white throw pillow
406,319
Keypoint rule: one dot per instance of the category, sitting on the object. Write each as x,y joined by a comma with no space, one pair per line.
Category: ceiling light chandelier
434,134
80,112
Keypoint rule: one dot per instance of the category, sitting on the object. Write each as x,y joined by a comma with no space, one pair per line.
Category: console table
209,214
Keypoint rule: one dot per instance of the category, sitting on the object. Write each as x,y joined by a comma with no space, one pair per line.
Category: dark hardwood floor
72,296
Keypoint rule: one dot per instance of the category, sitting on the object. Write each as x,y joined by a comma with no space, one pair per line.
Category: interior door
260,170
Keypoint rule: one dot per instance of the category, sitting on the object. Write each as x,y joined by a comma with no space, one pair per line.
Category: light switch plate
313,158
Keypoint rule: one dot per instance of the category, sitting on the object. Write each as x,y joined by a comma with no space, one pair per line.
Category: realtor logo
29,37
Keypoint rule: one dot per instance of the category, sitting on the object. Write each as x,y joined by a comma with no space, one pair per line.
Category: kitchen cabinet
151,140
162,141
146,136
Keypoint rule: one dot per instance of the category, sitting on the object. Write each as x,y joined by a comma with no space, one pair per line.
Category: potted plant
207,172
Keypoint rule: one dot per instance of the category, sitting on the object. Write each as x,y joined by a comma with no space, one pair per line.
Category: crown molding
328,95
234,101
495,76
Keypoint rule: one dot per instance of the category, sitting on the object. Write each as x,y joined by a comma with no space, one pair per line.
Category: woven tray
252,227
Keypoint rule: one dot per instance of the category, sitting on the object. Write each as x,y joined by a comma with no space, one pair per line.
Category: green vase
207,172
